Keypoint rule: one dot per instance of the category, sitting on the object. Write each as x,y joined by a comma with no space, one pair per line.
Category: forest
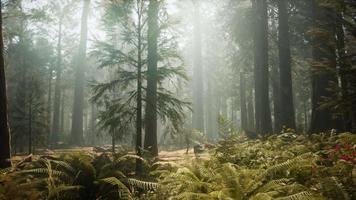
178,99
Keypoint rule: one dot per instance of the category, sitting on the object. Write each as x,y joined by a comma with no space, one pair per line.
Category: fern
122,190
286,166
5,171
299,196
272,185
333,189
144,185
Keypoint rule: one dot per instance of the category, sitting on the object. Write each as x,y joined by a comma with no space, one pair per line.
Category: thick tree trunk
4,128
250,110
198,86
287,113
256,74
78,105
151,102
323,52
276,99
57,89
244,120
139,97
263,120
344,69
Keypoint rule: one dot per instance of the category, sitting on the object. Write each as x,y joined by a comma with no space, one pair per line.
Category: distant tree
243,103
77,116
61,10
198,86
5,151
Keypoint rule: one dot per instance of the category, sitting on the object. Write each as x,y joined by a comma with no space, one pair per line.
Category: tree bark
256,75
62,123
244,120
151,102
198,86
263,114
287,113
57,89
276,99
49,105
4,128
251,110
344,69
139,95
78,105
323,53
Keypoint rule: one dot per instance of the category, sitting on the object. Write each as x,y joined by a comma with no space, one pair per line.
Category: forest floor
165,155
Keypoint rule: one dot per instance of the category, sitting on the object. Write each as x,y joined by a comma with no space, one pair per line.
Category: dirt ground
175,155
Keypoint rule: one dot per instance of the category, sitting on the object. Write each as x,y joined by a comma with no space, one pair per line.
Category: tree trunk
30,104
57,89
264,121
78,104
113,141
151,103
139,97
256,74
244,123
276,99
49,105
198,86
323,53
62,112
287,113
251,111
4,128
93,118
344,69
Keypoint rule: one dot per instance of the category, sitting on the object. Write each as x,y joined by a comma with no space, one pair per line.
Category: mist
168,80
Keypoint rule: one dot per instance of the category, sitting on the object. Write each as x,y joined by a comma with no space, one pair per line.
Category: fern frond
299,196
46,172
273,184
5,171
122,190
286,166
146,186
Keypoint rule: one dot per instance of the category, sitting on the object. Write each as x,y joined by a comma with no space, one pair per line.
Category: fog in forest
220,84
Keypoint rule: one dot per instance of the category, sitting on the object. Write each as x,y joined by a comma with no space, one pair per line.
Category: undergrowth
282,167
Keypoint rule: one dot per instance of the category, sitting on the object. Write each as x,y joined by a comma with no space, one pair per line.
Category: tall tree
287,114
323,70
78,105
244,114
198,86
4,128
262,105
57,88
152,59
140,10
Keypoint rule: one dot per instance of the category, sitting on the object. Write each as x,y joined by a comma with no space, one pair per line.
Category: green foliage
76,176
279,167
